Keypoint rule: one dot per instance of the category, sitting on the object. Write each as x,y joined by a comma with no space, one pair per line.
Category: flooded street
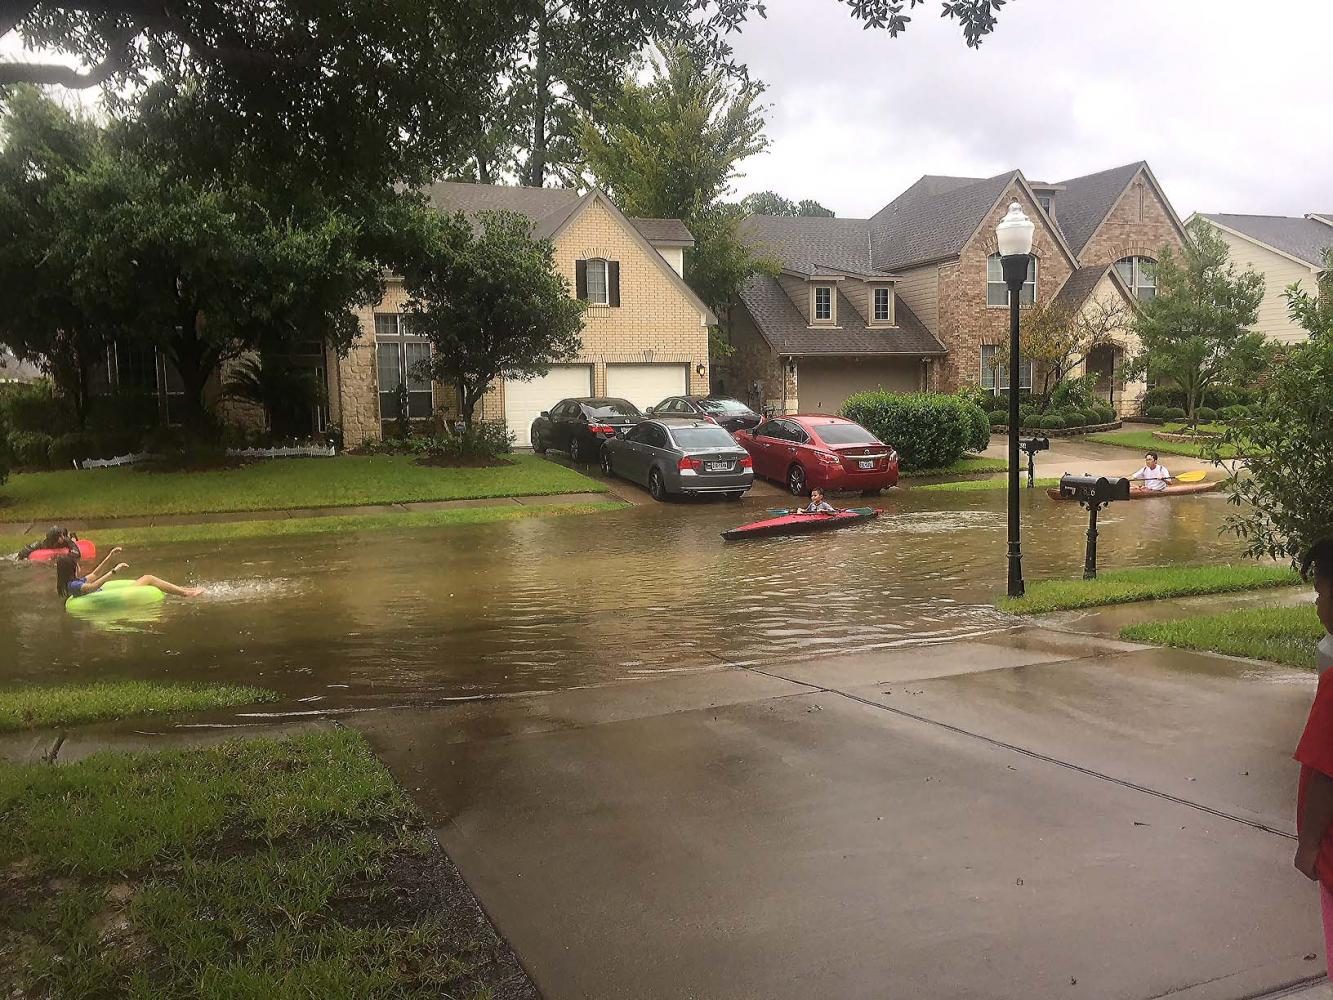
552,603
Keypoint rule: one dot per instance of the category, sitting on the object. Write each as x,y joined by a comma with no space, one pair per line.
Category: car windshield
701,437
845,434
723,406
604,409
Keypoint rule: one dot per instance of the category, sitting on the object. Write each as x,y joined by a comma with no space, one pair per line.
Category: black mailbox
1034,445
1093,489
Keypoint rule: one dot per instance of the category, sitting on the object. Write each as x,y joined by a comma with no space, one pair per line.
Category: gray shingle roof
546,207
1085,202
812,245
785,328
1306,239
933,219
1080,285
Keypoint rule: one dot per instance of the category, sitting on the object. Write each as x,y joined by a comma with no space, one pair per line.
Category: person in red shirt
1314,798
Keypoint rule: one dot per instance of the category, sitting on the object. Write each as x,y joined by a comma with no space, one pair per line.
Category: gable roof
933,219
782,325
1086,201
1080,286
812,245
1304,239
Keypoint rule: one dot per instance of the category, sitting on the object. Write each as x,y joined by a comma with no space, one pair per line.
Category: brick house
912,298
645,335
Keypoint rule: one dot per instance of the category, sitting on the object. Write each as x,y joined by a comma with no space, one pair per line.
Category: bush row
1057,420
1217,398
485,439
928,430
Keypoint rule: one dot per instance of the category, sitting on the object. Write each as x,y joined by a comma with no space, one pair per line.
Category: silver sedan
680,455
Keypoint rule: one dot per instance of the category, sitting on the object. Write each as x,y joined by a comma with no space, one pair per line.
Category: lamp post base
1016,588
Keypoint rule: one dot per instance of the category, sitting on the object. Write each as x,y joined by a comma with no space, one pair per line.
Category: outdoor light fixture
1014,236
699,369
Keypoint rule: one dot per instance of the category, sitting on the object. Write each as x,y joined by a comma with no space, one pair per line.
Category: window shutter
581,279
613,282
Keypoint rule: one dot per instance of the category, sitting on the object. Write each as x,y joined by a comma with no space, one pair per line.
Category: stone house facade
911,298
645,335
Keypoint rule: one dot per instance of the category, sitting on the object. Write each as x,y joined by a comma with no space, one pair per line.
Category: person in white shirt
1152,476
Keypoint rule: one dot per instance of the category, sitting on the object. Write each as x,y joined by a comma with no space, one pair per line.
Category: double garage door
822,385
642,385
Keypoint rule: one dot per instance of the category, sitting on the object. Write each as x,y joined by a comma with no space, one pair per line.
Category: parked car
729,413
680,455
813,450
580,426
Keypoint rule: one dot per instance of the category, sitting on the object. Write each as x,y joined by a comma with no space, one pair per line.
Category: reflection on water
555,603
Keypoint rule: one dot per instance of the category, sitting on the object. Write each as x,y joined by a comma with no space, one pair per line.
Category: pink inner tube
87,550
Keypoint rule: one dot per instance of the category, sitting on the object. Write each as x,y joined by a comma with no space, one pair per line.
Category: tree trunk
195,362
468,398
541,98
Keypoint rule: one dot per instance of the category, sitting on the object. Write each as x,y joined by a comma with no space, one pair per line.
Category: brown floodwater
548,603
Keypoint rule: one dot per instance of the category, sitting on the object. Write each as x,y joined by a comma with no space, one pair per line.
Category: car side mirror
546,414
648,412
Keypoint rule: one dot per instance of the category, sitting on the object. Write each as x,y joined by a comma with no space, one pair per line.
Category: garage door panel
823,386
525,400
646,385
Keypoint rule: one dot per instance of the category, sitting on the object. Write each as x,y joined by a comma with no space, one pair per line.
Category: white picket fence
294,451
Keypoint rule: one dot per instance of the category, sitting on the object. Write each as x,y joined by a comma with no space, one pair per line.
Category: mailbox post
1032,446
1093,493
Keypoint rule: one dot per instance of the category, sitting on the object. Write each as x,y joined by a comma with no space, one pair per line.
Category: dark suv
580,426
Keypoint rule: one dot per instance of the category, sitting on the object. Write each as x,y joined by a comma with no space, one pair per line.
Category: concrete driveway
1027,814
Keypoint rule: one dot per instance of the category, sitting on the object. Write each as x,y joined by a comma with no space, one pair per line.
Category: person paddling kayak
817,504
1153,476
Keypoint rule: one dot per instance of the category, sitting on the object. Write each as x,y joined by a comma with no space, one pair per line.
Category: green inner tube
114,595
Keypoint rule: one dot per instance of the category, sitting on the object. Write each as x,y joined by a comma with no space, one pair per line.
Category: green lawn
333,524
1282,635
967,466
975,485
278,484
1143,441
280,870
1146,583
66,704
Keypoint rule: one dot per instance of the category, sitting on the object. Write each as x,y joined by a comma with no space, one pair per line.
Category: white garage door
524,400
646,385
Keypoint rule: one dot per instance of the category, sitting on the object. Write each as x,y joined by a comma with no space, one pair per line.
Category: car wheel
606,462
656,486
538,445
796,481
735,496
575,451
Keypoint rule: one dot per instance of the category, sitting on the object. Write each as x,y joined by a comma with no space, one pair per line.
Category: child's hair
67,568
1152,455
53,536
1318,561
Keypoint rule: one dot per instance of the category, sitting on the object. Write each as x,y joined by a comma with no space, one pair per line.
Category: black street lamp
1014,236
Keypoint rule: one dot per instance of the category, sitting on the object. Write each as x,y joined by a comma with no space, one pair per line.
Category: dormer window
823,304
1046,201
881,305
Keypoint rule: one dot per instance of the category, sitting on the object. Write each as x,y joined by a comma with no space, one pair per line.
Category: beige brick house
645,335
912,298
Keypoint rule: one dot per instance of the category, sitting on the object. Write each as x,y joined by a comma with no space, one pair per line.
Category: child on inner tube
70,585
818,505
56,537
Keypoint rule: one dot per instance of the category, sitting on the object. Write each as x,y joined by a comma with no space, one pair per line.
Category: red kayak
87,550
800,524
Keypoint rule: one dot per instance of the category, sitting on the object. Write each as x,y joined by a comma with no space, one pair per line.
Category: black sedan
680,455
729,413
580,426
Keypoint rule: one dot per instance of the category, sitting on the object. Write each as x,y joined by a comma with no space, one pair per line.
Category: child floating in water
56,538
69,584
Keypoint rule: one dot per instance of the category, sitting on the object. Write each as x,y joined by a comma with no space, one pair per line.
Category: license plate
717,466
866,463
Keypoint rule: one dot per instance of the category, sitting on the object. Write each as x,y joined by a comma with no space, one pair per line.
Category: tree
1195,333
286,393
1057,338
491,303
1287,439
772,203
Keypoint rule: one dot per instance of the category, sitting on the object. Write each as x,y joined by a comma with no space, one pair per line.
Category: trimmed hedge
929,430
998,418
1174,413
1206,414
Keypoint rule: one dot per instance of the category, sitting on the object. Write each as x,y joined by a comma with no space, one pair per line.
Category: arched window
997,292
1140,274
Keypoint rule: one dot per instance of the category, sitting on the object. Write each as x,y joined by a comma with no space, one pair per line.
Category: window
608,409
701,437
883,308
823,303
771,429
1140,274
997,379
794,432
597,284
397,354
997,292
723,406
1046,201
845,434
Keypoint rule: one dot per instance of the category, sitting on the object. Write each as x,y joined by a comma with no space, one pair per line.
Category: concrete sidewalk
1076,455
1029,814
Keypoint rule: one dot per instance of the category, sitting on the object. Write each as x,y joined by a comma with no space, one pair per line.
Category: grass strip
978,485
68,704
276,484
280,870
1146,583
1282,635
333,524
1143,441
968,466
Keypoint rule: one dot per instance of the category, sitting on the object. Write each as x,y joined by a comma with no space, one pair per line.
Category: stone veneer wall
1139,224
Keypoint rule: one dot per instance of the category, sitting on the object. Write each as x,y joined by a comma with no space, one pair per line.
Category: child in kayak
1152,477
69,584
818,505
56,537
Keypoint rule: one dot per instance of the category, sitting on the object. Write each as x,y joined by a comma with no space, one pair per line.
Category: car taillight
828,458
601,429
745,463
689,463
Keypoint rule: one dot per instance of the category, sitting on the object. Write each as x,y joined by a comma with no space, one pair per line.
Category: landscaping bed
290,869
983,485
1057,432
1146,583
969,466
1281,635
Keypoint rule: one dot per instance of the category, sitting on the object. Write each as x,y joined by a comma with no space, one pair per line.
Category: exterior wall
1125,397
827,382
1139,224
920,289
675,256
965,321
754,373
1279,272
858,293
798,290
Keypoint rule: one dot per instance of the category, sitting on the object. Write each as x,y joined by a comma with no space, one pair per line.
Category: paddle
1197,476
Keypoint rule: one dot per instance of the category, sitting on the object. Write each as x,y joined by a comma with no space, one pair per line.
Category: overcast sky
1227,100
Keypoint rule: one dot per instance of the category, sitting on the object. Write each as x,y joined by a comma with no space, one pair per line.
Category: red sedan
814,450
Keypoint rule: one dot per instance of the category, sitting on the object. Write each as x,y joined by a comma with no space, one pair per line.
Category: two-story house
645,335
913,299
1286,251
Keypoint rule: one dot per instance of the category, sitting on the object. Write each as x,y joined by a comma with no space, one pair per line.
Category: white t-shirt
1324,654
1153,479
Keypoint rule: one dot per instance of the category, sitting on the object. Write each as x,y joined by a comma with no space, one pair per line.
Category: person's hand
120,566
1306,861
117,550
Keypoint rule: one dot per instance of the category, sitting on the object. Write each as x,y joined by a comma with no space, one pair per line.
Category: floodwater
434,614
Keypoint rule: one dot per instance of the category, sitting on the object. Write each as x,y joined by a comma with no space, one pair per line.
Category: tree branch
116,58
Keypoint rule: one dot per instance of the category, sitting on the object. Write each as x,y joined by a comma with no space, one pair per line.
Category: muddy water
561,602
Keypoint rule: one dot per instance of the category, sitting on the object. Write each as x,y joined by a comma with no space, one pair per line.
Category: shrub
1073,394
66,449
929,430
30,448
979,438
1218,396
1173,413
76,446
1205,414
1051,422
998,418
1155,412
1232,412
123,410
1074,418
36,408
1106,415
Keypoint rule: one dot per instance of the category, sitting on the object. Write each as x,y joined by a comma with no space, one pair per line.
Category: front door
1102,364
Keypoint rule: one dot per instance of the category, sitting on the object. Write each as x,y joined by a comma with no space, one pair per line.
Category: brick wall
1140,224
754,373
